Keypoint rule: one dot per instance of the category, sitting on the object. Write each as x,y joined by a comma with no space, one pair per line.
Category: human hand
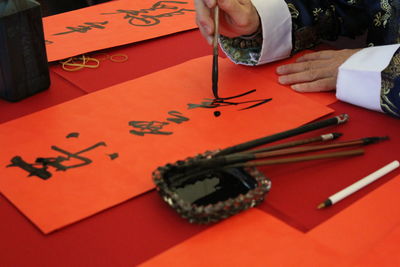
314,72
237,17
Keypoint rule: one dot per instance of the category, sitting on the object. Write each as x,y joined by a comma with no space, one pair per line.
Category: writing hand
237,17
314,72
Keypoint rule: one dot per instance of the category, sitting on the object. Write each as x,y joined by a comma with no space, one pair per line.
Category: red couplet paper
365,234
252,238
114,23
100,149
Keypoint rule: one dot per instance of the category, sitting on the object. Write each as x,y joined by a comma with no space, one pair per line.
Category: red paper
365,234
300,187
364,224
103,119
114,23
252,238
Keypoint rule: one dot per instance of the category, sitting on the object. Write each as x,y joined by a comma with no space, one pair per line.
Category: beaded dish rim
204,214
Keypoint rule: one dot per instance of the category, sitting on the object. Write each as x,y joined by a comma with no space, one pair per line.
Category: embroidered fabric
390,98
245,50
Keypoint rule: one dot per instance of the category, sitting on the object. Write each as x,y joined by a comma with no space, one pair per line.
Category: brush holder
23,62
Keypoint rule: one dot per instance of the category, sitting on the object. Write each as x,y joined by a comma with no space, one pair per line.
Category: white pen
359,184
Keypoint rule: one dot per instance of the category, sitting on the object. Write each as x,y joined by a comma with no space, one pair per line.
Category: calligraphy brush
247,156
320,138
267,139
288,151
345,153
289,133
215,53
195,175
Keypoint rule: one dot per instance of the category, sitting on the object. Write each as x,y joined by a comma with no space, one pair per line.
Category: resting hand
237,17
314,72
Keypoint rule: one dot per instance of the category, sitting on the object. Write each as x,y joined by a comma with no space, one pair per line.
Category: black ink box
210,195
23,62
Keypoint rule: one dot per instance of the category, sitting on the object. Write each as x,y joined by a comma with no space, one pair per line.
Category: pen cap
23,62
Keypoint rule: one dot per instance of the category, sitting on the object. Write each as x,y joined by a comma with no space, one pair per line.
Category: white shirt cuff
359,77
277,29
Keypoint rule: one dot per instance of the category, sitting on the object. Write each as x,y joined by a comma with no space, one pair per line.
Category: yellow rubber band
122,59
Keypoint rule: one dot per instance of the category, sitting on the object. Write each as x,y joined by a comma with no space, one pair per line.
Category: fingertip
204,26
210,40
279,70
282,79
296,87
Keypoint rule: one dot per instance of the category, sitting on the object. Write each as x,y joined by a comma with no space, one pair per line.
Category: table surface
143,227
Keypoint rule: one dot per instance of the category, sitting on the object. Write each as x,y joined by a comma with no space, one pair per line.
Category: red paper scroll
365,234
114,23
100,149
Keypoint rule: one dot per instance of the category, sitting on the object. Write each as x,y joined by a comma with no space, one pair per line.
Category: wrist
253,35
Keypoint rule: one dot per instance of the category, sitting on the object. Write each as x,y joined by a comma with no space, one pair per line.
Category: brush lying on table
190,165
251,158
217,184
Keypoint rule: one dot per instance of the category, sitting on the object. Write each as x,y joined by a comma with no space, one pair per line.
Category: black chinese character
150,17
41,165
148,127
178,118
85,28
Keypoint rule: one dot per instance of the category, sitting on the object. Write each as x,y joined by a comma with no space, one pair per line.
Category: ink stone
216,186
208,195
23,62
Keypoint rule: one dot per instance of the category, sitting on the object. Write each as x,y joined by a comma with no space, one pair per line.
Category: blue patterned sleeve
317,20
390,87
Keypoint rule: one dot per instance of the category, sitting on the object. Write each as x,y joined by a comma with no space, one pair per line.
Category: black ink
42,172
113,156
148,127
75,135
260,102
142,17
154,127
178,118
55,162
215,186
221,102
217,113
85,28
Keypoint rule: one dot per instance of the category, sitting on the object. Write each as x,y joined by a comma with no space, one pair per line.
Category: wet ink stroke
73,135
113,156
221,102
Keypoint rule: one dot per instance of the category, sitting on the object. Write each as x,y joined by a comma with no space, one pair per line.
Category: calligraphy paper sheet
73,160
114,23
365,234
90,80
